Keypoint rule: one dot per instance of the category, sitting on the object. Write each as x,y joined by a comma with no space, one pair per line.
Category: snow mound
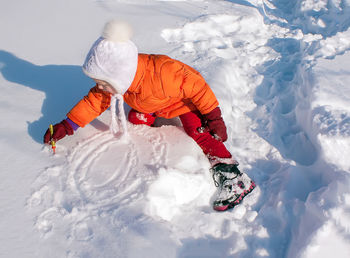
88,191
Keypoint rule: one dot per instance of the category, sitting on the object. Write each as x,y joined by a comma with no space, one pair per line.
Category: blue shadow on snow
279,93
63,85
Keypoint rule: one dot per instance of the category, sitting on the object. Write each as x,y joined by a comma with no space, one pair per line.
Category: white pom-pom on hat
117,31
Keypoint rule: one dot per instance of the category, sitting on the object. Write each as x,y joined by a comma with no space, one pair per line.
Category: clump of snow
331,110
175,191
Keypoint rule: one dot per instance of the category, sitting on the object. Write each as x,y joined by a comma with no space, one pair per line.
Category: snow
281,72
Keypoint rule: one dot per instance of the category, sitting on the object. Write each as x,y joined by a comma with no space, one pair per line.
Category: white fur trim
117,31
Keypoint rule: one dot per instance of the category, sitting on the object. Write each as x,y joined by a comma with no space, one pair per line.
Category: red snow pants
191,121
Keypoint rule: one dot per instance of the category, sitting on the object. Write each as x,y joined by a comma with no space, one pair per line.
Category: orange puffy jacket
162,85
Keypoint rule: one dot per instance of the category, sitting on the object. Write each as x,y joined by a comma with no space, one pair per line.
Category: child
157,86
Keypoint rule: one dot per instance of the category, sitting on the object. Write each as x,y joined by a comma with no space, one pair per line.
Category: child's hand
216,124
60,130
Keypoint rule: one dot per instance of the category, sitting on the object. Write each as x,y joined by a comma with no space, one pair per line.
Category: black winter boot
233,185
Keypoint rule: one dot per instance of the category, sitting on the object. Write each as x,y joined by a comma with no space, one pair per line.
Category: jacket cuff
72,124
215,114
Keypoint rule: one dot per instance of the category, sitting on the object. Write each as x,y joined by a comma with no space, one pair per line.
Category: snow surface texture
280,70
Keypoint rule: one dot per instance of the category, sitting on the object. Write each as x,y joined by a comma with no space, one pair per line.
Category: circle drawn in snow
107,168
101,168
45,222
82,232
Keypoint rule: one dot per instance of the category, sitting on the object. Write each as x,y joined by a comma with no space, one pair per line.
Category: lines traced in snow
89,182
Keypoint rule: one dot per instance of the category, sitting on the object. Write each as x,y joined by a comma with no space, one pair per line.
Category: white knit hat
113,57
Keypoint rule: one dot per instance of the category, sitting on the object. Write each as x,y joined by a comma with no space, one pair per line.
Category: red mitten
138,118
215,124
60,130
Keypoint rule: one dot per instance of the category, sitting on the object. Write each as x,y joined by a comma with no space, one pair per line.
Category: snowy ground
281,72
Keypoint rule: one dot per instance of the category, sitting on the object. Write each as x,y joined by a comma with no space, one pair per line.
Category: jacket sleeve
90,107
189,84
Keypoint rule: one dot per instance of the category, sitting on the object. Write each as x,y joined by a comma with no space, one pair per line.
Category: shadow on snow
63,85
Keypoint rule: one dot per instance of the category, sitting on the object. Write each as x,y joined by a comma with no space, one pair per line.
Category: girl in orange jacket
155,86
